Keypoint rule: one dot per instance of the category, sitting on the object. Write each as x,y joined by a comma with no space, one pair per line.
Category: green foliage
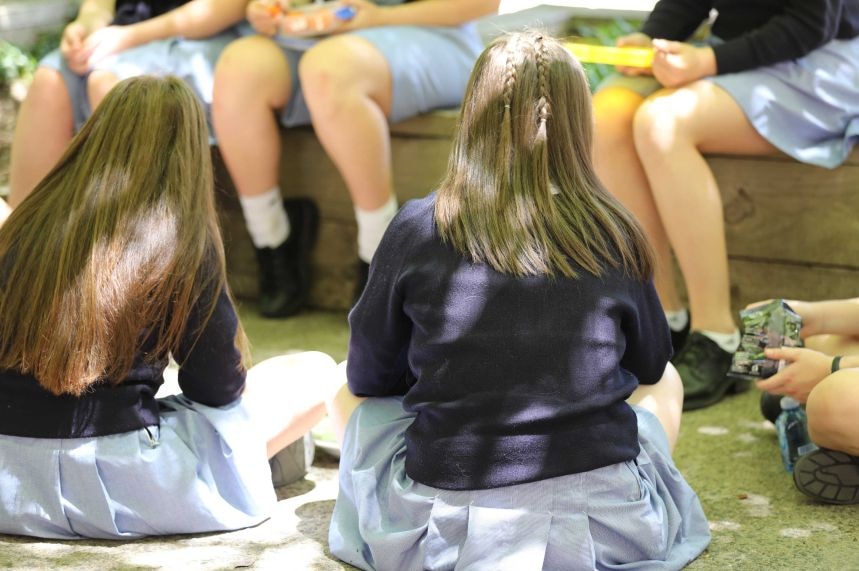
15,63
601,32
20,63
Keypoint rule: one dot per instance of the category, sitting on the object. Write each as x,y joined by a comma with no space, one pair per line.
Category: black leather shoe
361,274
285,270
679,338
703,368
829,476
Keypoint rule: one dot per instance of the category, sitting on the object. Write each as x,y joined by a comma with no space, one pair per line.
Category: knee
327,75
658,127
322,77
832,408
98,84
48,90
614,111
250,69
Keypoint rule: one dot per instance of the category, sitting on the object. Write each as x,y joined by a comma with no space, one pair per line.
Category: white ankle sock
371,227
727,341
266,218
677,320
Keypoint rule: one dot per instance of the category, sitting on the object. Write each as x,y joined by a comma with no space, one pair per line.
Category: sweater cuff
733,57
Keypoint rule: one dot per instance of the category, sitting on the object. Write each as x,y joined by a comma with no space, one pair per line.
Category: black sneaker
362,272
829,476
679,338
703,367
285,270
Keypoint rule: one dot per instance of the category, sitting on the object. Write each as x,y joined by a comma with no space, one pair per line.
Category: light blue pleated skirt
191,60
807,108
430,67
637,515
204,470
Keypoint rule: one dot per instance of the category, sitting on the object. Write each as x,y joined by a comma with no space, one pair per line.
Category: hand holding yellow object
622,56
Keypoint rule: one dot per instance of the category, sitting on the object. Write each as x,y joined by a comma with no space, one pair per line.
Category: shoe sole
828,476
733,387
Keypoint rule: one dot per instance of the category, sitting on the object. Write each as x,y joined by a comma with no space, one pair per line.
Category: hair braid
542,56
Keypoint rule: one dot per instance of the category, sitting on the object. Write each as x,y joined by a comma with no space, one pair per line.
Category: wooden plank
788,225
784,210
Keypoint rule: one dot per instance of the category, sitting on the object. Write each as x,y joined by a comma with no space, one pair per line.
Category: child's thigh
75,87
703,114
429,66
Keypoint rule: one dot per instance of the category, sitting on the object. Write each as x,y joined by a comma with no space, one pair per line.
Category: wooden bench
792,229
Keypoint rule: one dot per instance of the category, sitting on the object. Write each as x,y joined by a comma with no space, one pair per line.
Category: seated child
510,401
110,267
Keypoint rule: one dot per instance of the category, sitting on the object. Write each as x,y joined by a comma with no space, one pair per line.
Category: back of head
521,193
119,238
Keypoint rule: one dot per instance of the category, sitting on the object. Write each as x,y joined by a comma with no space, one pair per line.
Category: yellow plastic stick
625,56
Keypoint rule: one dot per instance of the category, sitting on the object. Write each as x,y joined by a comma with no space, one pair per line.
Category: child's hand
678,63
808,311
72,46
636,40
367,15
805,369
108,41
265,15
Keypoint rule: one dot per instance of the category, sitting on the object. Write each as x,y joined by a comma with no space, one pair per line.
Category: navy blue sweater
133,11
210,373
757,32
512,379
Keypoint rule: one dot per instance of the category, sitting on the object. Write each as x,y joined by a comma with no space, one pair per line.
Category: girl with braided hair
509,401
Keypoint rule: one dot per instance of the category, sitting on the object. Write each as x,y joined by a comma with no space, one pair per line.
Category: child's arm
196,19
92,15
833,317
803,26
421,13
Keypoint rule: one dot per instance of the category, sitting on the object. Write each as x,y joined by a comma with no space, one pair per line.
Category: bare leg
252,80
5,211
620,170
672,130
832,408
44,127
347,84
342,404
665,400
98,84
288,393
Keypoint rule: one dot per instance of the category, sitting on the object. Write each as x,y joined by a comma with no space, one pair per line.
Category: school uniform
430,65
116,462
792,66
497,434
191,60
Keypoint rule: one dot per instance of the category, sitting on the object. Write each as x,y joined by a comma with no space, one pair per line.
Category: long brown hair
120,239
521,193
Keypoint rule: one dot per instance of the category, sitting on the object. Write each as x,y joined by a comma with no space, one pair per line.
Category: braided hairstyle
521,193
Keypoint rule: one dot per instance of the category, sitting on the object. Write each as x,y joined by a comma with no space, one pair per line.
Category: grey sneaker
292,463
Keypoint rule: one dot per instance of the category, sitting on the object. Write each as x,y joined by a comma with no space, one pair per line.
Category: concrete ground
727,452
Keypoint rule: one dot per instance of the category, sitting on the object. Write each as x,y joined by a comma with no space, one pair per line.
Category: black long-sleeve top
757,32
210,373
133,11
512,379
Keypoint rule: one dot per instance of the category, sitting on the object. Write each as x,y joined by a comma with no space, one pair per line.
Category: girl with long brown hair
510,402
110,267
